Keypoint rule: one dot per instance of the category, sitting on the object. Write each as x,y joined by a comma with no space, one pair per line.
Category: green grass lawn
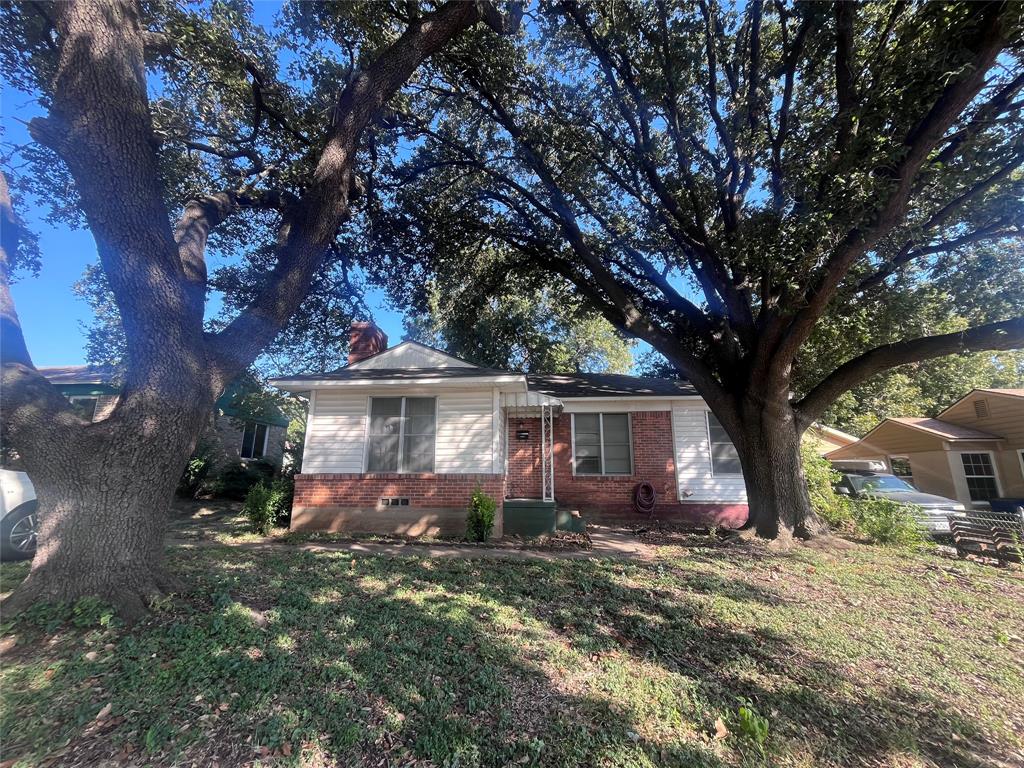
709,655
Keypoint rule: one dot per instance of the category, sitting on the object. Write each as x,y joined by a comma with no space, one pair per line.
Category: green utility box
534,517
529,517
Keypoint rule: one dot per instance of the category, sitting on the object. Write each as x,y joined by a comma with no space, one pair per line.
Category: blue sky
53,318
51,315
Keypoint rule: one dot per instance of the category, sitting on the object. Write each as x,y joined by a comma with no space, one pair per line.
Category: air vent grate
981,409
394,501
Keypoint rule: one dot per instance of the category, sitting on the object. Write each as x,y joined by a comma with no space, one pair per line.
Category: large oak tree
279,159
722,181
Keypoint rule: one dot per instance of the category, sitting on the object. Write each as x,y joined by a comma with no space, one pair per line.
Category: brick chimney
365,339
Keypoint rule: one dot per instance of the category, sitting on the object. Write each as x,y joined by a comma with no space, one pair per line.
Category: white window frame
711,453
79,398
401,434
266,437
600,428
995,475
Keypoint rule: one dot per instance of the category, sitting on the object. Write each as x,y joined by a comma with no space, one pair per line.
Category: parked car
19,522
933,512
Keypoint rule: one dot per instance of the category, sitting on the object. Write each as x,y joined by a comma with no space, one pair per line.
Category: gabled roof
576,385
1006,392
432,366
1015,393
350,373
943,429
78,374
422,355
835,434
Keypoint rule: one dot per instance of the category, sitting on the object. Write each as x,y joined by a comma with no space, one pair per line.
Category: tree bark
769,450
105,489
105,492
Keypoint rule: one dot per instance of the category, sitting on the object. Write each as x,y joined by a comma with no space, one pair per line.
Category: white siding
335,433
693,458
465,437
411,355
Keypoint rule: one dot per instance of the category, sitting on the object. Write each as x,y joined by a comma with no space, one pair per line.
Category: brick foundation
350,502
609,498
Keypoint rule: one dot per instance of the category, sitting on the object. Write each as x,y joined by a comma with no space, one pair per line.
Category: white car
19,521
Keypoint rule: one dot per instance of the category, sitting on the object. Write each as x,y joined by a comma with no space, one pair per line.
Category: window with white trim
402,433
725,459
601,444
254,440
980,475
84,405
901,467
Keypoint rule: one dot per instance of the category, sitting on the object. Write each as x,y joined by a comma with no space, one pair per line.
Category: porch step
570,520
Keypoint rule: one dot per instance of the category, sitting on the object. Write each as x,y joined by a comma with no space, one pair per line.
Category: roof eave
512,382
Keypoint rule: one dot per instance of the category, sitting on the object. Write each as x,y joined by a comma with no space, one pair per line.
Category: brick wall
523,460
349,502
610,497
422,490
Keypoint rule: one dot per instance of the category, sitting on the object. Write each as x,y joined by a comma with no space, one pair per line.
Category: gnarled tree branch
1008,334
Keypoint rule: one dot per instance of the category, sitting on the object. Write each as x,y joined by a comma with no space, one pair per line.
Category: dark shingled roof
348,374
78,374
567,386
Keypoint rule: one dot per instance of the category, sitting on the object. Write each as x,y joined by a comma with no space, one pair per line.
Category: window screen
385,434
588,443
980,475
402,433
418,446
254,440
84,406
725,459
602,444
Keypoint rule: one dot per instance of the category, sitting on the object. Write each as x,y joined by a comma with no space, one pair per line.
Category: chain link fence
996,534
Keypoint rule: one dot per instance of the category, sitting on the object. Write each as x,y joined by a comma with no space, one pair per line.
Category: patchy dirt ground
708,654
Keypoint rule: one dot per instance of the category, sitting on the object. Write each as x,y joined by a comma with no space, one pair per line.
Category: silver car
19,520
933,512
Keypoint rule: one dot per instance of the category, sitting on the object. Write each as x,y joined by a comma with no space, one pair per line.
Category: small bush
480,517
821,480
282,491
752,725
236,479
258,509
269,505
196,471
884,521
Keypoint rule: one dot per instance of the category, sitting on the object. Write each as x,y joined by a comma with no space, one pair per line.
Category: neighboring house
235,433
397,440
827,439
973,451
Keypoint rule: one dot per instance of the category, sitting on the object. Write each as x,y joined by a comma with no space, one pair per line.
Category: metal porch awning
526,405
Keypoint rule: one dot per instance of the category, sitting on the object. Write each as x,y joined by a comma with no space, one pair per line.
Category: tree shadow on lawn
463,663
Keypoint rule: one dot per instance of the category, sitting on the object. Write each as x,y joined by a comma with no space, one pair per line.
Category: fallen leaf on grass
104,713
721,731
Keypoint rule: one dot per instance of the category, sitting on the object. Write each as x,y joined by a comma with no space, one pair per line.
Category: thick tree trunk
769,451
104,497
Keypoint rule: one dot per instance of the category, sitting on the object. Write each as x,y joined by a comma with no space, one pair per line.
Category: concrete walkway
197,521
615,545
